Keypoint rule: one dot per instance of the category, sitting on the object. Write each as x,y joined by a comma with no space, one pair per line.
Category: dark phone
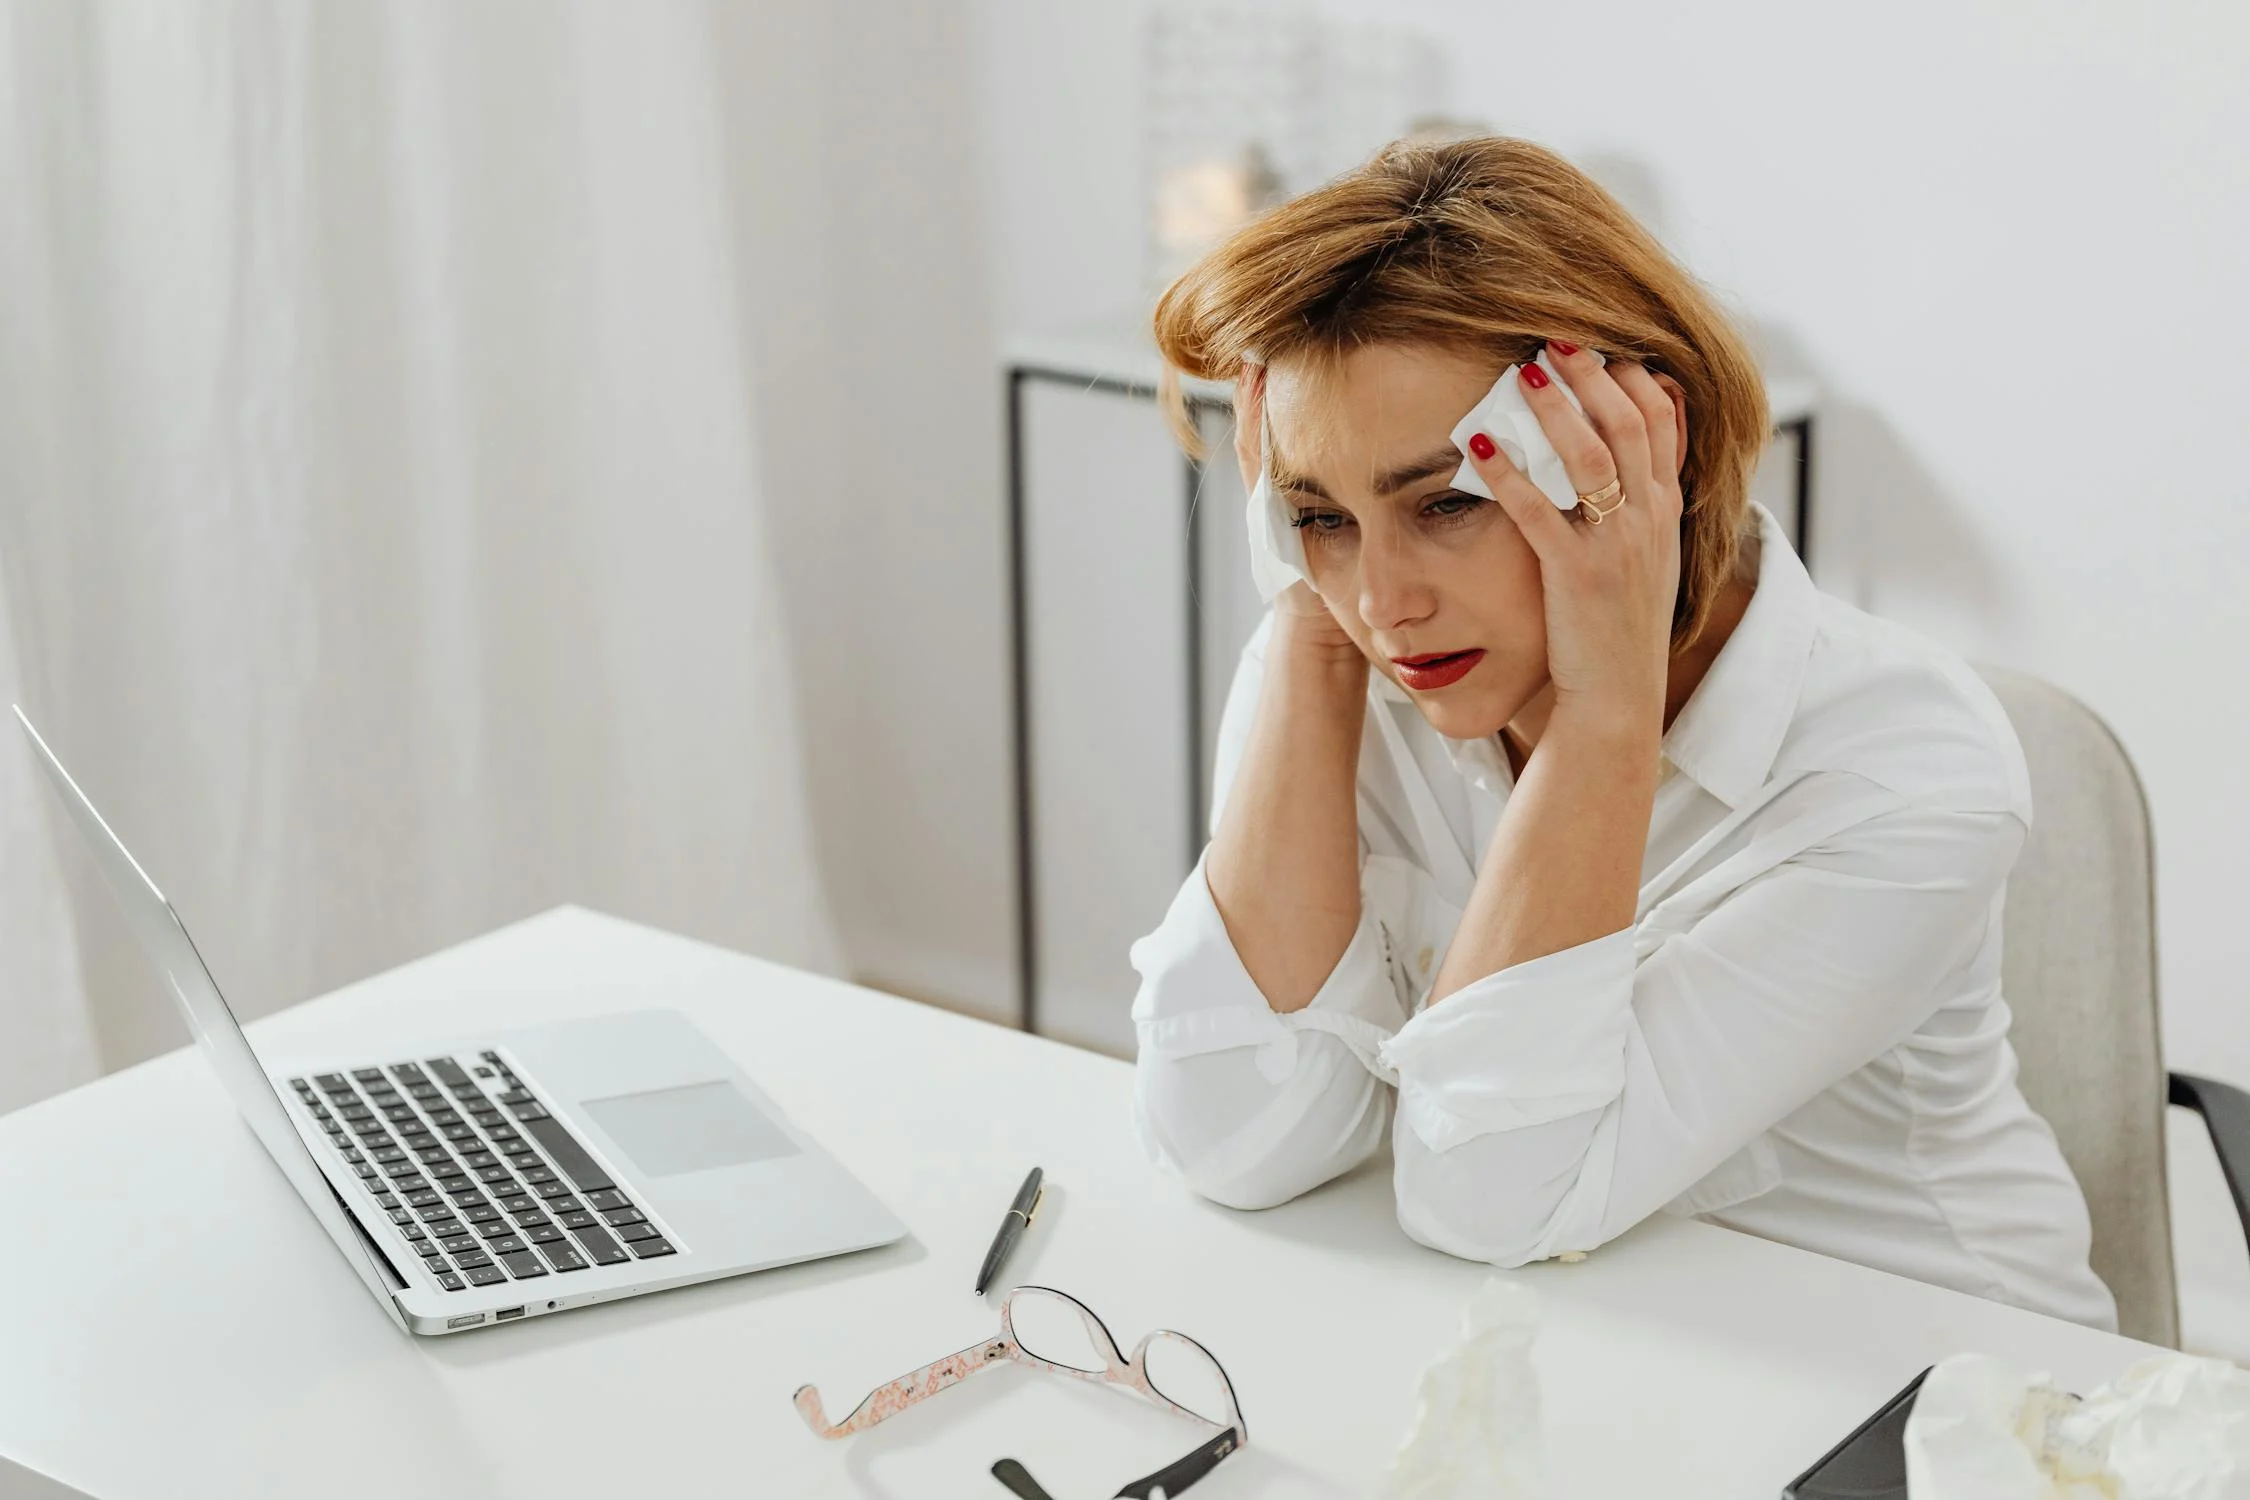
1868,1465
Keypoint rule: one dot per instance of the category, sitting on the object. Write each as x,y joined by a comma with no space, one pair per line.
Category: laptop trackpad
669,1131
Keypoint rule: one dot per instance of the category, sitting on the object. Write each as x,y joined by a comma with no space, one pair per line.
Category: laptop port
464,1320
505,1313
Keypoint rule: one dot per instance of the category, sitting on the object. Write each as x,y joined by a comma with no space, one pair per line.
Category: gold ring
1591,505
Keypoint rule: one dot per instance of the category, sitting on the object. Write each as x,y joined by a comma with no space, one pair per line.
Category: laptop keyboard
485,1189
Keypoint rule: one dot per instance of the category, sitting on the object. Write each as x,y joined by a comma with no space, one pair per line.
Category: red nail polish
1534,377
1562,348
1481,445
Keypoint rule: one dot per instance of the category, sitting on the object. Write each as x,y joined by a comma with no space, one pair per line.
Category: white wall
857,193
2007,239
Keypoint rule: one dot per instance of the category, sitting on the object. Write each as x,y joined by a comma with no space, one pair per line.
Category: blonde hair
1489,246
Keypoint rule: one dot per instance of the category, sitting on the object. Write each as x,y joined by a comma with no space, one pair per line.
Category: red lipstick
1439,669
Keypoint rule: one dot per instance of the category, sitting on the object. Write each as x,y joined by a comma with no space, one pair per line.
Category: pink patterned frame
1131,1372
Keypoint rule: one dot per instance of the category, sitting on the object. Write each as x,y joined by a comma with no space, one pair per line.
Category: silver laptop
522,1173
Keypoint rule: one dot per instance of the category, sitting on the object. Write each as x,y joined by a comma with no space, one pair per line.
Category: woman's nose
1394,590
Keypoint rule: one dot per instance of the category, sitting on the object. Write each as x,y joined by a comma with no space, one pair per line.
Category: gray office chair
2080,975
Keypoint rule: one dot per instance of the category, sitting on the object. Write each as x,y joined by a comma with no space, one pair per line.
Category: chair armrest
2226,1114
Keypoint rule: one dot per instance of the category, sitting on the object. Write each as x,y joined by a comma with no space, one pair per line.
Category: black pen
1020,1214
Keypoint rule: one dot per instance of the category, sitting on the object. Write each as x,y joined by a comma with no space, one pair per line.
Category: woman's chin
1464,720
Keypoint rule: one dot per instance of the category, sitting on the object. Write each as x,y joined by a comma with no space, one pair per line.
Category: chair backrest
2080,975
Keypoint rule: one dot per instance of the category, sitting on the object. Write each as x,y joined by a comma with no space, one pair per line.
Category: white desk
178,1326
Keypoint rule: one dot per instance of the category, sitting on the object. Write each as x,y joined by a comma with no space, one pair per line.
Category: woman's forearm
1284,866
1564,866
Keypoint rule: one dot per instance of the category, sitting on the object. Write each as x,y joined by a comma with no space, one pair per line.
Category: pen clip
1038,1199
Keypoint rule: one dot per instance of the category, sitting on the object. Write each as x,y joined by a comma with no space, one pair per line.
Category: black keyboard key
333,1127
534,1175
617,1216
564,1205
402,1169
495,1229
401,1215
577,1218
604,1250
427,1250
495,1173
456,1244
519,1150
502,1131
450,1282
507,1244
369,1175
468,1259
301,1085
545,1234
397,1112
389,1154
458,1132
552,1190
436,1156
332,1082
477,1161
419,1140
446,1070
386,1200
468,1194
532,1221
438,1213
368,1075
483,1213
526,1113
517,1203
440,1115
352,1109
632,1232
407,1072
413,1231
352,1155
650,1249
569,1157
485,1275
425,1091
607,1198
517,1096
563,1255
523,1265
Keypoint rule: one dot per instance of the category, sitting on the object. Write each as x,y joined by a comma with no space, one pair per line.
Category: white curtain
380,511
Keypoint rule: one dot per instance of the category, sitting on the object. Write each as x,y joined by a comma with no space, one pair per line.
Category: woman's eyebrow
1436,461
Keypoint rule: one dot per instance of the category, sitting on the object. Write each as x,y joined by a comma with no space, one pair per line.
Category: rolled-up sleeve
1252,1106
1553,1105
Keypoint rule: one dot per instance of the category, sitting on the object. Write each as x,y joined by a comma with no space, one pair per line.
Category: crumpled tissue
1277,547
2175,1427
1476,1419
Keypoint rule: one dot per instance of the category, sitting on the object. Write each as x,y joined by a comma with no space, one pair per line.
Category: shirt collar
1729,732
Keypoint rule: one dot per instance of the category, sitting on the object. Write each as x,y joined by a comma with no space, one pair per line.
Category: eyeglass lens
1054,1329
1188,1377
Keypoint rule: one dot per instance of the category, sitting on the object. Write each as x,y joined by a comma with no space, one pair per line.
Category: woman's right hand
1302,620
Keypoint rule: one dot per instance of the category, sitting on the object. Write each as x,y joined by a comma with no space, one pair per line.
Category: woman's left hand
1610,588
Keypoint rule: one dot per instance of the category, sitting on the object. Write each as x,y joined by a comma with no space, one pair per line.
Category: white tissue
1476,1420
1277,547
1507,419
2171,1428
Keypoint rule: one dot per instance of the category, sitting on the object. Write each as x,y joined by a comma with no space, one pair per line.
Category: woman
1640,874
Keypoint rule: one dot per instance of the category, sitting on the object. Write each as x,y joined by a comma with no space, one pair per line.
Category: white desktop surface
176,1325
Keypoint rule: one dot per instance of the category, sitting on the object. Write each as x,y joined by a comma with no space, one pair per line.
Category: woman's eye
1451,507
1324,521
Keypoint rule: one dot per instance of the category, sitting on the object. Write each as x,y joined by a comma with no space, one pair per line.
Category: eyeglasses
1051,1330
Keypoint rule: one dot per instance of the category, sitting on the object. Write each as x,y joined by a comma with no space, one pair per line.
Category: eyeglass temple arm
889,1400
1175,1477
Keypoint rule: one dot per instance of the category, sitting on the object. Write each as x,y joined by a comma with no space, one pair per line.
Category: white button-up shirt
1801,1035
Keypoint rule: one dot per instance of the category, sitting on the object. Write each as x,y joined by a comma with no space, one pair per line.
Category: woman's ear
1679,412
